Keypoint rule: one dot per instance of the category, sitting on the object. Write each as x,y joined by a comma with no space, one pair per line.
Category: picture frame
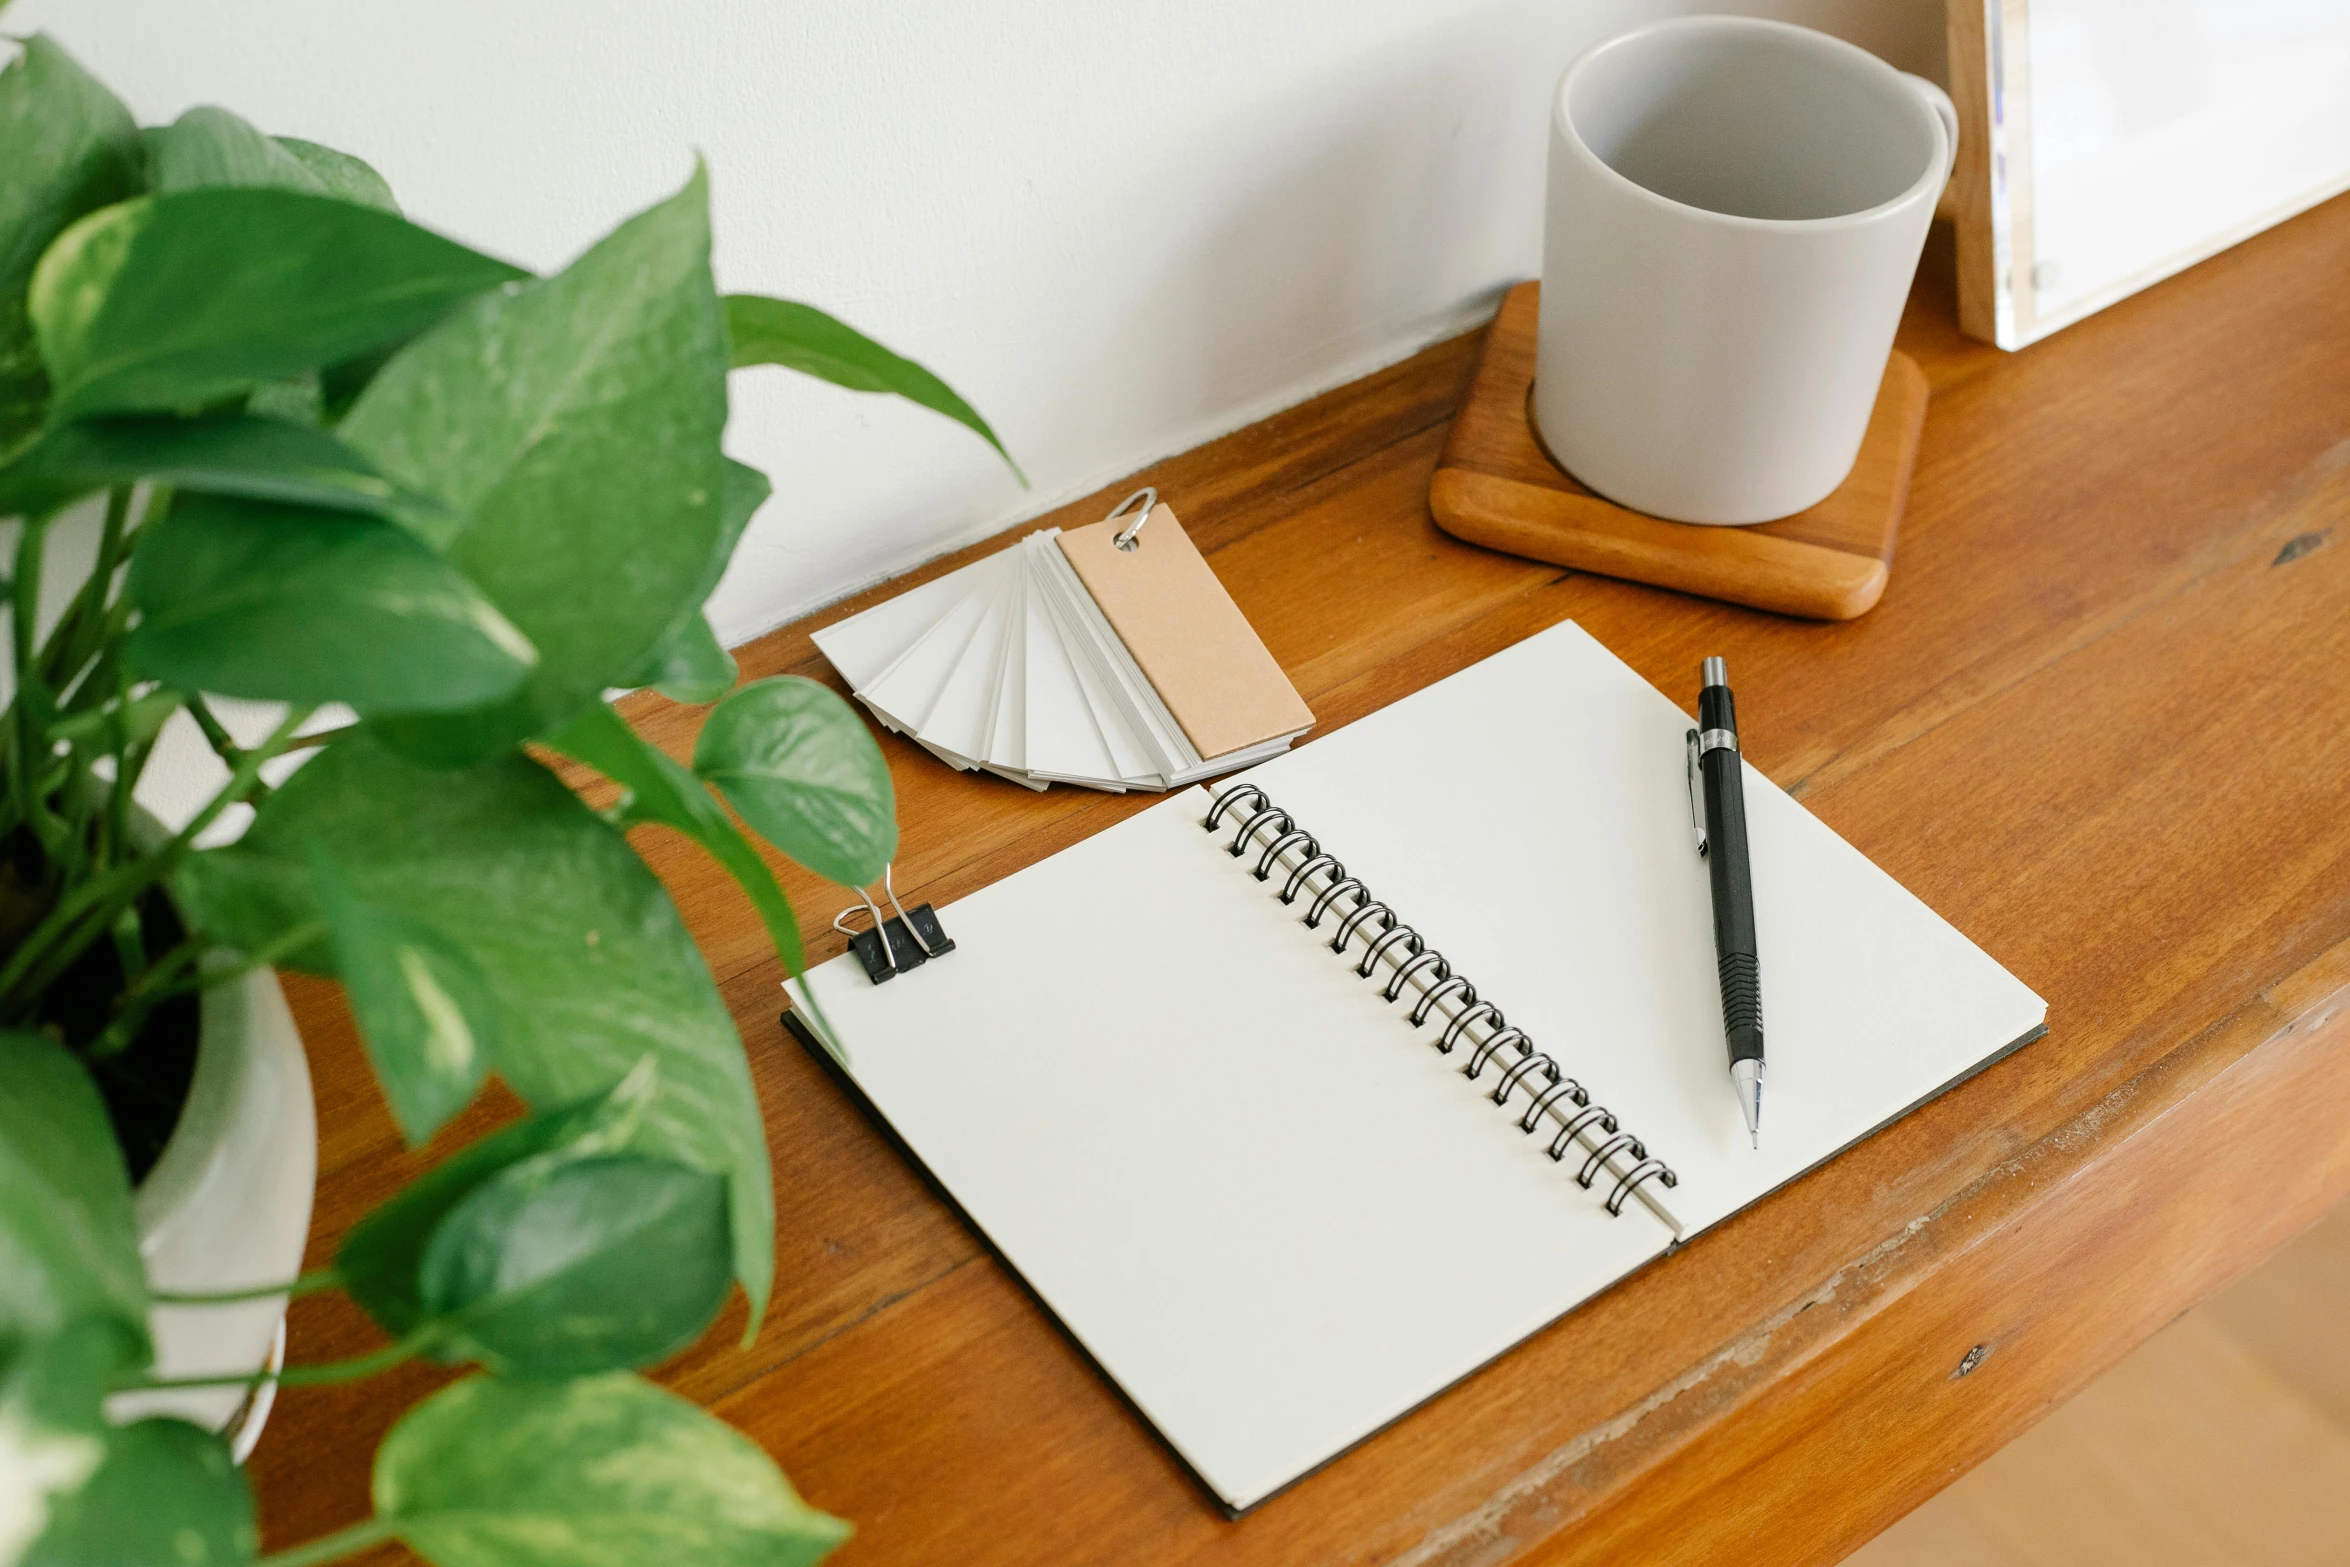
2106,144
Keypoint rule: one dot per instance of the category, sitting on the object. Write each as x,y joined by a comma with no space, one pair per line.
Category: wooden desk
2101,721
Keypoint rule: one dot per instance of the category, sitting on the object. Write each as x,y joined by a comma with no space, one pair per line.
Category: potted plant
383,519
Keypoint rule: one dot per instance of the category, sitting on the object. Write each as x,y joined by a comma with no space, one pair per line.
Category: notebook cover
1209,665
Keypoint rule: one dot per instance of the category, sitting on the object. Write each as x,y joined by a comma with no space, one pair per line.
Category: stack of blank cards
1108,656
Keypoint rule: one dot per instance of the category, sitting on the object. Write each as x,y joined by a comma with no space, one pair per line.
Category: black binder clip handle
893,945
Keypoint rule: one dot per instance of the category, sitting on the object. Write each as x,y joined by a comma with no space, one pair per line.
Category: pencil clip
1696,814
1127,536
892,946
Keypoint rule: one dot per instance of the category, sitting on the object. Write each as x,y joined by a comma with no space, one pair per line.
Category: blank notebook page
1530,816
1260,1200
1275,1218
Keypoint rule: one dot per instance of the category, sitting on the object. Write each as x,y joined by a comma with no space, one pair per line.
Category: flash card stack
1108,656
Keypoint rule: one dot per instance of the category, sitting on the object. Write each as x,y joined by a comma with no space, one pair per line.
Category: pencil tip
1747,1074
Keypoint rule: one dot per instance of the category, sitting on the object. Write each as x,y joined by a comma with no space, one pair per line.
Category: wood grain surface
2099,721
2222,1441
1497,485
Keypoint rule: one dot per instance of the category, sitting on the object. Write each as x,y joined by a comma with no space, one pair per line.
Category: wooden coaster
1496,486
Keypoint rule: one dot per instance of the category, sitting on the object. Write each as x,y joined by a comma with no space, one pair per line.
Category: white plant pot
227,1207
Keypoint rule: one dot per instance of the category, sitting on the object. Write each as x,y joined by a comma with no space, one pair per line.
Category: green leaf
605,1471
765,331
342,176
52,1427
252,902
692,667
423,1007
59,1382
167,1493
742,490
176,301
234,454
591,1265
295,604
573,425
590,965
340,385
294,399
68,1248
70,148
381,1260
659,790
806,774
208,146
689,664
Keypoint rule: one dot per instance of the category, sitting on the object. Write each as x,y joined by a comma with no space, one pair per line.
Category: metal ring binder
1646,1169
1403,975
1560,1085
1125,537
1360,915
1591,1115
1449,983
1225,801
1330,895
1486,1051
1305,871
1403,933
1414,964
1524,1067
1241,838
1622,1142
1280,846
1460,1025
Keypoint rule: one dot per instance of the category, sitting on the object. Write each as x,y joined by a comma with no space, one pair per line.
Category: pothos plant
433,508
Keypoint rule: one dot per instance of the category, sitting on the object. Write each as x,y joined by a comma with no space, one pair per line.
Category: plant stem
307,1284
224,744
329,1547
319,1375
76,635
25,603
33,702
186,975
130,940
358,1366
154,985
115,839
318,737
86,911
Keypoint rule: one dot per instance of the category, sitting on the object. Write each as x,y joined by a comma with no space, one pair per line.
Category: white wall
1117,228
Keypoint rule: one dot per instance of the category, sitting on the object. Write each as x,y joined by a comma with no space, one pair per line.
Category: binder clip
893,945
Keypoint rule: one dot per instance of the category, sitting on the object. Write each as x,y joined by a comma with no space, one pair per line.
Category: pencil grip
1369,936
1742,1005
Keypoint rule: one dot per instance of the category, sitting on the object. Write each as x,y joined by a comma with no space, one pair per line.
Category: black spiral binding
1271,834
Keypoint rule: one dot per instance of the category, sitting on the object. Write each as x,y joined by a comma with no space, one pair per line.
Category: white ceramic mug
1736,210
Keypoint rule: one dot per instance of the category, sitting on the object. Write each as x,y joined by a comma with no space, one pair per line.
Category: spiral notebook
1301,1098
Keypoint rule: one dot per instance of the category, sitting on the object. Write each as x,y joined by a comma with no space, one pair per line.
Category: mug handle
1944,110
